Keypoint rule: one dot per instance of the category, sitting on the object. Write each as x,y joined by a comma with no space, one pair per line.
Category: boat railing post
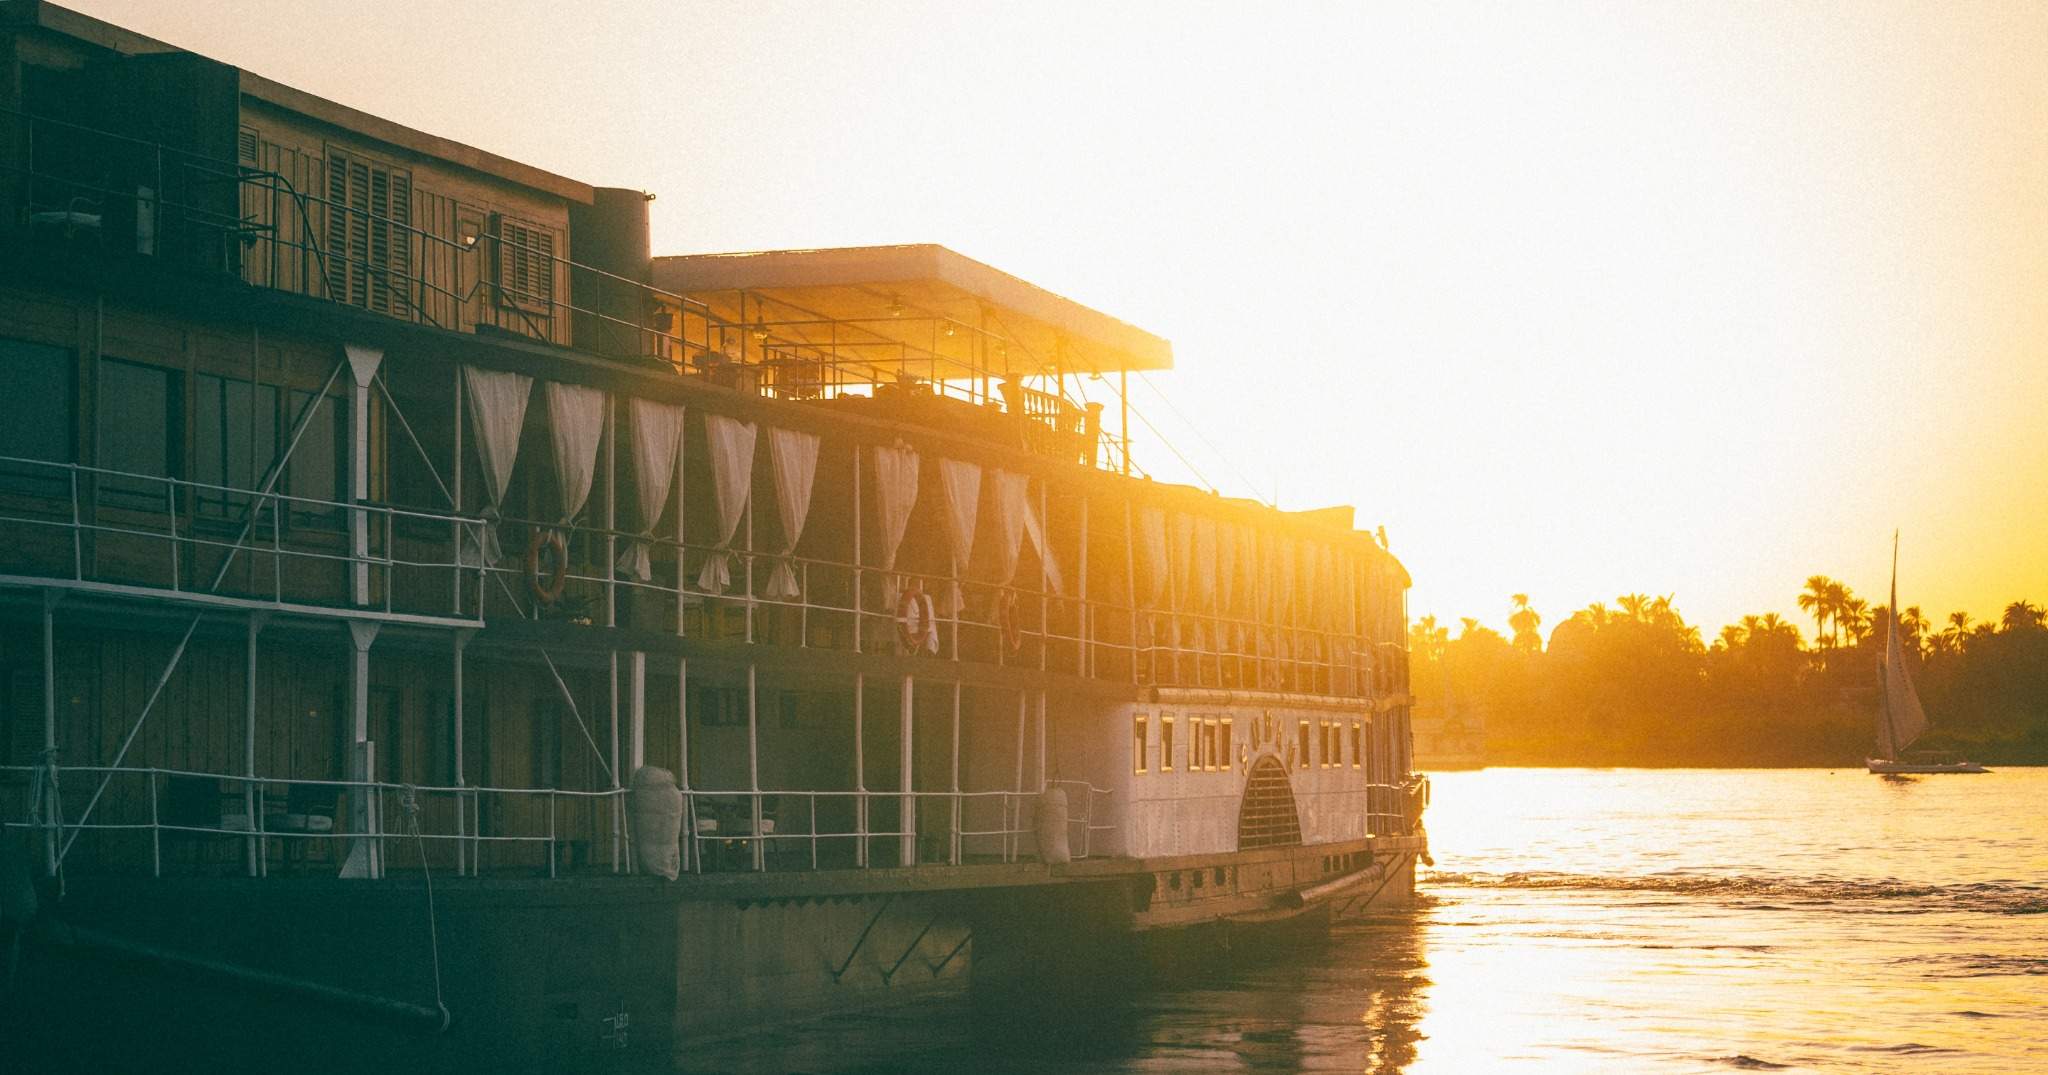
261,836
156,832
814,829
77,529
551,832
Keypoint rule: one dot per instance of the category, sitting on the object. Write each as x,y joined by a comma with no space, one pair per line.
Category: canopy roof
951,311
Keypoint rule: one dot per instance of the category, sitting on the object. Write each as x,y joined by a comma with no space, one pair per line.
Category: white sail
1903,716
1900,720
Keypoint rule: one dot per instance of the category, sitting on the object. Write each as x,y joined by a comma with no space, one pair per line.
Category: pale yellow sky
1576,299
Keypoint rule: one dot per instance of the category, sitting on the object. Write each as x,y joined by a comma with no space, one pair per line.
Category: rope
43,787
409,801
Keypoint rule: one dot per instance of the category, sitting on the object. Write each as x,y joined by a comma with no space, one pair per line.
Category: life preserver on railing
1006,620
546,584
916,618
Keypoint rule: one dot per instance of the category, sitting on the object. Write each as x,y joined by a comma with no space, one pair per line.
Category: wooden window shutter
526,264
369,238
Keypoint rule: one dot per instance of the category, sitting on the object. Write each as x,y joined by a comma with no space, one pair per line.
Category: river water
1598,921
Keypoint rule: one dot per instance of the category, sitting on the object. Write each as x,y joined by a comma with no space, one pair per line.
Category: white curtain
497,412
895,473
960,496
657,431
1226,584
1311,594
1203,594
1152,557
1280,559
793,459
1011,495
1183,561
1332,590
1248,569
1034,528
575,425
731,445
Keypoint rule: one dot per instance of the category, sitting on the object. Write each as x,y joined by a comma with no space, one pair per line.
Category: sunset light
690,536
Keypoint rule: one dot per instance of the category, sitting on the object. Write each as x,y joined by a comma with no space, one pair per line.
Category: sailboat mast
1888,741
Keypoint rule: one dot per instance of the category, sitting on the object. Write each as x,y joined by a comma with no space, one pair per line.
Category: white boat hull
1880,765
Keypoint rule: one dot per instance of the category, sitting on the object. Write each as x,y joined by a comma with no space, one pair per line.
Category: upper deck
306,374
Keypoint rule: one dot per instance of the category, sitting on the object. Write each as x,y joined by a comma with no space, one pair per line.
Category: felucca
1900,720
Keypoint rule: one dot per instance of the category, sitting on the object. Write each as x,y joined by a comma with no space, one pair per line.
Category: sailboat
1900,720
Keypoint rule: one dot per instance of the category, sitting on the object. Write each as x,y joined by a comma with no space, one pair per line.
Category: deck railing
179,820
117,528
123,196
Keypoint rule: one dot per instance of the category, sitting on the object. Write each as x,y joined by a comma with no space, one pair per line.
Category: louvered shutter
369,246
526,265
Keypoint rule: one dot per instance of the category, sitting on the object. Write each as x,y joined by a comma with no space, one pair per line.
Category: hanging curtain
575,425
1310,594
1226,583
1282,561
1011,496
1332,590
1201,594
793,461
1034,528
497,412
960,496
1152,557
1183,561
1248,570
895,473
731,445
657,434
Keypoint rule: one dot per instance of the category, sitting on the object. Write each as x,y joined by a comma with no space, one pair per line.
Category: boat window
1165,743
1357,742
1138,743
1211,732
234,439
139,410
1223,740
1304,744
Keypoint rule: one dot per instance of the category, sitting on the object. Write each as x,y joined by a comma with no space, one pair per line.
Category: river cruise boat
435,631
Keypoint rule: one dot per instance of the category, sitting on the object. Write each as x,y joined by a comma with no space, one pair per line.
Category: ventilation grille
1267,817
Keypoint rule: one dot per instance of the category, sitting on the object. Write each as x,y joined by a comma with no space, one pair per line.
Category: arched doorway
1266,817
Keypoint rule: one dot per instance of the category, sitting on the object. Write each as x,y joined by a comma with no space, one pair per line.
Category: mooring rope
42,784
409,801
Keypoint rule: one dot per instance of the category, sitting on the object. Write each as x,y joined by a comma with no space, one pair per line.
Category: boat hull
1905,768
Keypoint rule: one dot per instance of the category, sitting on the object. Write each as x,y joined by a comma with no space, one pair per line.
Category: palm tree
1636,605
1914,623
1815,600
1958,629
2023,616
1731,636
1852,618
1524,621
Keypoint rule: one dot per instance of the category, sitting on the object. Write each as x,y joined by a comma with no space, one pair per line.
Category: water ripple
1986,898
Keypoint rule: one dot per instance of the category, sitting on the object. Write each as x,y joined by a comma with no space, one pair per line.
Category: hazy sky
1576,300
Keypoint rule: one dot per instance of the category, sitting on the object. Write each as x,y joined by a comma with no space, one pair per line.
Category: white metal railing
146,527
721,824
842,605
276,819
1391,808
275,834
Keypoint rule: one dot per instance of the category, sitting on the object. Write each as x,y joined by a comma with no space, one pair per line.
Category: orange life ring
1006,619
546,588
914,617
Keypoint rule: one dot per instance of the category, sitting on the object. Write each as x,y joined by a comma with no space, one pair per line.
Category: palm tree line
1632,682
